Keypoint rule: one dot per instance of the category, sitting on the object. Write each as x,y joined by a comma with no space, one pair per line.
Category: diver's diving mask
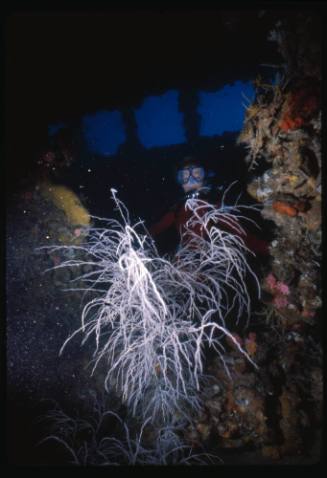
191,174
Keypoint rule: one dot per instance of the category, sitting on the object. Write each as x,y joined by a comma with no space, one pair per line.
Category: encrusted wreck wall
278,408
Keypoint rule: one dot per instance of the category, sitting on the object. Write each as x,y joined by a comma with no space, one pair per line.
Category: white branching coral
151,316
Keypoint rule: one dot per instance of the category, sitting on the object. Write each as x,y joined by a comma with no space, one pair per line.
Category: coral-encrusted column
282,129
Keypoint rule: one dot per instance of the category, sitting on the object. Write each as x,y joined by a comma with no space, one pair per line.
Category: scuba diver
193,177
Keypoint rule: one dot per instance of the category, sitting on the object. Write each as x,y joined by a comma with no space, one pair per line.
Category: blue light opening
223,111
159,123
55,127
104,132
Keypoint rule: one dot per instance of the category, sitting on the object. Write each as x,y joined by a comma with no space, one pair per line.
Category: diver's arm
255,244
164,223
